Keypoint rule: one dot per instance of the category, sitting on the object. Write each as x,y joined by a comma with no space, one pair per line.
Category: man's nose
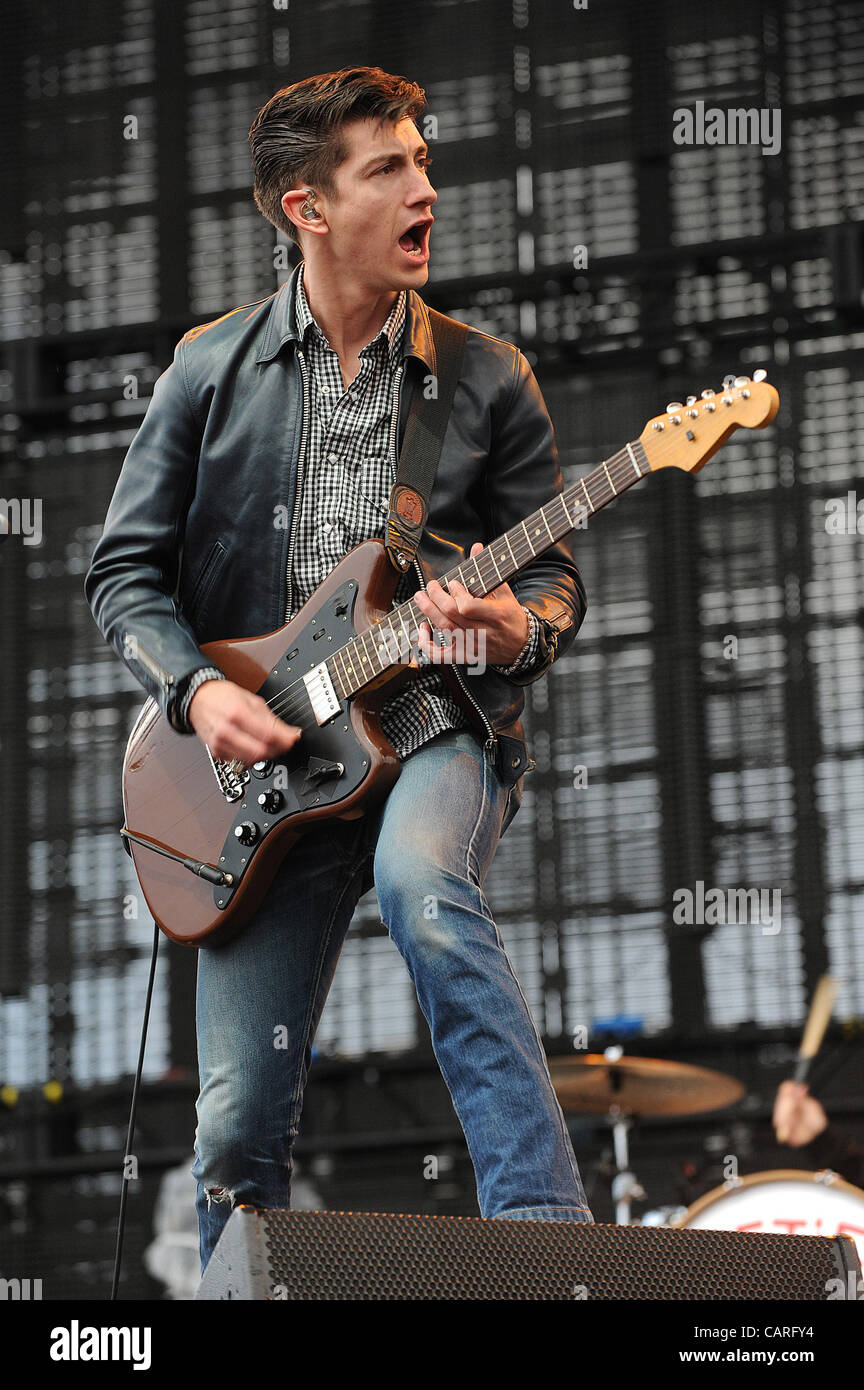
426,193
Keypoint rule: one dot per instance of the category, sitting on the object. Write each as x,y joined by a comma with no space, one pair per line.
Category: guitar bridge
231,776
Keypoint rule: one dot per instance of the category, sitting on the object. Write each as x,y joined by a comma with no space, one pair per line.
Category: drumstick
817,1022
814,1032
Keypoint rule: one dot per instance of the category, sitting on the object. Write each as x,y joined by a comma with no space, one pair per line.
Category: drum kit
626,1088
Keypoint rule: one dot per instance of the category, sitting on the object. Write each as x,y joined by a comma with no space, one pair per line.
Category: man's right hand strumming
234,723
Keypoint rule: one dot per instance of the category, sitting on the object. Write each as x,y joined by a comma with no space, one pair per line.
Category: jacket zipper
491,737
156,671
301,459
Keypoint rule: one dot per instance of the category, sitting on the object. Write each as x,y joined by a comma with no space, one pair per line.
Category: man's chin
413,275
394,283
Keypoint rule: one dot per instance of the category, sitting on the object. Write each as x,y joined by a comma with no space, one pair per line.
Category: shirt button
332,458
325,390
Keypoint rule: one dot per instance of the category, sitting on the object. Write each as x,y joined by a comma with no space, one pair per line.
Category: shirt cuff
528,655
180,709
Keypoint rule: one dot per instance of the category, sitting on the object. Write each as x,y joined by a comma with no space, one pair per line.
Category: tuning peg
742,381
707,394
759,374
691,400
728,380
673,405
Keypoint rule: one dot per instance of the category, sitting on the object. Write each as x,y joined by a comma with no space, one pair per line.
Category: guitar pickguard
325,766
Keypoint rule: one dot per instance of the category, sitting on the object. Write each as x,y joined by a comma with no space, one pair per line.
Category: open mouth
414,240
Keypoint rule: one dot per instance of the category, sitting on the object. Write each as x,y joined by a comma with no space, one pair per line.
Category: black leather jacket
191,550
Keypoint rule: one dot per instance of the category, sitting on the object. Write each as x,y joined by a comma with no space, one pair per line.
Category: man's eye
424,164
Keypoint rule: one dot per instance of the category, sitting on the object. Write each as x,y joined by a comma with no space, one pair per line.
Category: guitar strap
421,446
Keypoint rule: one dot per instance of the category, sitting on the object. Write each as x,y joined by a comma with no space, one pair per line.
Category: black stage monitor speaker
368,1255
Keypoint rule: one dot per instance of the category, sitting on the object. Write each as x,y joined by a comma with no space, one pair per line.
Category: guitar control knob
271,800
262,769
246,832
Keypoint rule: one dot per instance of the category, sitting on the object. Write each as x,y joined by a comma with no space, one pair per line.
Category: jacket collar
417,340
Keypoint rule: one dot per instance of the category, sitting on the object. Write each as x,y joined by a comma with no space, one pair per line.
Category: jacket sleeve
838,1152
132,580
524,473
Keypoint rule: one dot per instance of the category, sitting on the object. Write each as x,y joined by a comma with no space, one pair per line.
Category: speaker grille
363,1255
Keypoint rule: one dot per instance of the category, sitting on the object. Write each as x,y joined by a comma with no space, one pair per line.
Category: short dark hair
296,137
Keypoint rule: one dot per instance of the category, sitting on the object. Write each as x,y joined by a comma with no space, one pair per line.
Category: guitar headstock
688,434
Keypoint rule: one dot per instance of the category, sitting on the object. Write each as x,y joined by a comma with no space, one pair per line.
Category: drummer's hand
798,1117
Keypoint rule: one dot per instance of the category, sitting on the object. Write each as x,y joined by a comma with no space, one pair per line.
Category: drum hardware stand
625,1185
620,1088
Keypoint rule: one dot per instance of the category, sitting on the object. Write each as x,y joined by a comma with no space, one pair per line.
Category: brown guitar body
171,793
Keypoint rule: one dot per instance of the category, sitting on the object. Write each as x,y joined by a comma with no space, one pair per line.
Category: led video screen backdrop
706,726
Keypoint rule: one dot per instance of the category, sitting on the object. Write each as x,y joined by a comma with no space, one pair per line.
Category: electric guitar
206,836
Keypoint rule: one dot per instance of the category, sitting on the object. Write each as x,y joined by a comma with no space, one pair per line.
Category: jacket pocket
205,581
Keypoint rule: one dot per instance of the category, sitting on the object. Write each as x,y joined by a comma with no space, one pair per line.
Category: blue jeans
260,998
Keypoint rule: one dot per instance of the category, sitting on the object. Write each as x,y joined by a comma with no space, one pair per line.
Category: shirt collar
280,327
390,333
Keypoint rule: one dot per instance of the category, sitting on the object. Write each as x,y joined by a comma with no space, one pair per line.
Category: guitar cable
121,1224
209,872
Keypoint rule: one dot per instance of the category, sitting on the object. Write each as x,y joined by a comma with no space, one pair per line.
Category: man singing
268,451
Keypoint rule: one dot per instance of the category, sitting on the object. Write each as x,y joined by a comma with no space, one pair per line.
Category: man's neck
348,315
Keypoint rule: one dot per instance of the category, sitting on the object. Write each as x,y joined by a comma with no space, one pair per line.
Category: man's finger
436,618
434,650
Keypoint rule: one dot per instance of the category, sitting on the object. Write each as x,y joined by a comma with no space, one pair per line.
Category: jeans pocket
344,838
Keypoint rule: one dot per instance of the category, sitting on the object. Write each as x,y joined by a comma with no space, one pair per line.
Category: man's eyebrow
392,157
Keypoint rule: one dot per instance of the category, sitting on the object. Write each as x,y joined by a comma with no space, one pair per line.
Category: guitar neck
371,653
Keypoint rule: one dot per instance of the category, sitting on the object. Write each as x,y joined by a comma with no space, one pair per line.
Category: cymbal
594,1084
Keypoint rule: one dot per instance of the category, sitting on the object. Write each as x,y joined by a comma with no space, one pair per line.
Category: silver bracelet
530,645
207,673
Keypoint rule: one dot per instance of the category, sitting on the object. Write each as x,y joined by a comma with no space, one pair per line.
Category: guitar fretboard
372,652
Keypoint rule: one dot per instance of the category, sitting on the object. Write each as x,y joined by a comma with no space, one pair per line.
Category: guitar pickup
322,696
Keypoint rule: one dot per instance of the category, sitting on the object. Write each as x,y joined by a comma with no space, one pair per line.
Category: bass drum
785,1201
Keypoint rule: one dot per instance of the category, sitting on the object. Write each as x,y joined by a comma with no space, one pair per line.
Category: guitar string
294,699
295,696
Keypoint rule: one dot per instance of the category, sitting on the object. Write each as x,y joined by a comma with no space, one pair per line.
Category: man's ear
299,207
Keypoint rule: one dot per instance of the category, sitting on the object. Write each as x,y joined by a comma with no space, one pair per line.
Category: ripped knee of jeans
219,1194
